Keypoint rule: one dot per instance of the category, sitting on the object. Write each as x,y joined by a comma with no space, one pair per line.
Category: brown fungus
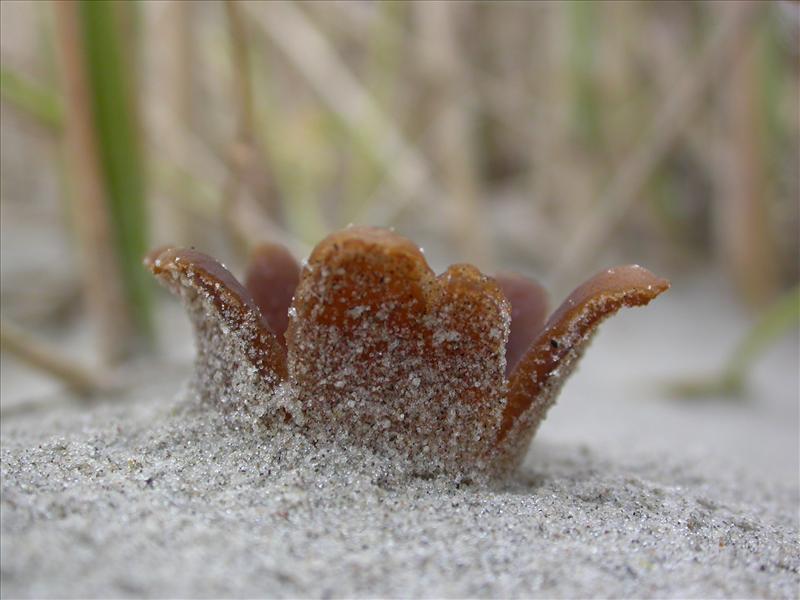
542,371
528,312
239,357
450,373
383,351
272,278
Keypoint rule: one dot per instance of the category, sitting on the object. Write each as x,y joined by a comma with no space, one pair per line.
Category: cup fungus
367,345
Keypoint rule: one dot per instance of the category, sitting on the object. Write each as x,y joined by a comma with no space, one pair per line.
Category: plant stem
110,80
104,293
670,121
43,358
37,101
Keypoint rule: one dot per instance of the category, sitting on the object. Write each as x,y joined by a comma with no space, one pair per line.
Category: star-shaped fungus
366,345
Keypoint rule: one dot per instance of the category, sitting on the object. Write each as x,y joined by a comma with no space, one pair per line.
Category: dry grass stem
670,122
454,136
47,360
742,222
250,186
104,291
318,61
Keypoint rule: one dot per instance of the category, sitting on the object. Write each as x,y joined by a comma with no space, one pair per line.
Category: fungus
366,345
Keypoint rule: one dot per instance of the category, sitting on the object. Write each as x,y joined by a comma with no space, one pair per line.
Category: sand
624,493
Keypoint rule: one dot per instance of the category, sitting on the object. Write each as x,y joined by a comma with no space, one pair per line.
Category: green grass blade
775,322
114,108
583,24
42,104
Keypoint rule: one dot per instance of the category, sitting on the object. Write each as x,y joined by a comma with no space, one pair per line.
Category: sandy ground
625,492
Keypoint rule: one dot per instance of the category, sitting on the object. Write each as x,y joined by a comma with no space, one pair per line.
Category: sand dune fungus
367,345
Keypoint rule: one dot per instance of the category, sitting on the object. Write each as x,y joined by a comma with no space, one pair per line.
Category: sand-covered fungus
366,345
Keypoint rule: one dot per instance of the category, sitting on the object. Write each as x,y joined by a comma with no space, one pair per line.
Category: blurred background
551,138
